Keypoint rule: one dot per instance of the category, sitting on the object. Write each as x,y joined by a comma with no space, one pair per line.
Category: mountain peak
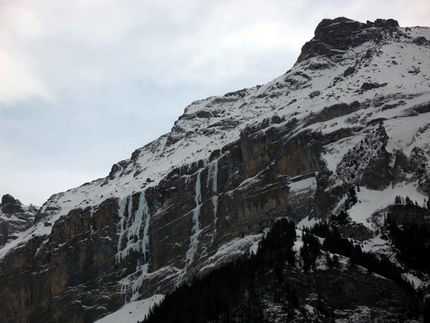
334,35
14,218
10,205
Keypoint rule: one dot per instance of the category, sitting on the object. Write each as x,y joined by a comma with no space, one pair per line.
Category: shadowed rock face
66,277
335,35
14,218
72,275
10,205
230,203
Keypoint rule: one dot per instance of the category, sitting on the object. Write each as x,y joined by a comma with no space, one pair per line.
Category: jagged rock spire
335,35
10,205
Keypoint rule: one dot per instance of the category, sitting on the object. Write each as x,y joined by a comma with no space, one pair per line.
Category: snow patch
370,201
232,250
413,280
306,223
305,184
132,312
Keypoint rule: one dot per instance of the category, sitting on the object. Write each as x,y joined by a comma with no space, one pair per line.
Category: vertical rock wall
97,258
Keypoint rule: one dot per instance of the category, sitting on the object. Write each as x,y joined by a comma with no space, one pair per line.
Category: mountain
339,136
14,218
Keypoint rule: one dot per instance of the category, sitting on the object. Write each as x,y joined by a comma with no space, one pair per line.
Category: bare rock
332,36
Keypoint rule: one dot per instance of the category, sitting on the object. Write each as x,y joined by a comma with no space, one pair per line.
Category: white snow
298,244
413,280
377,245
409,132
305,184
132,312
371,201
231,250
306,223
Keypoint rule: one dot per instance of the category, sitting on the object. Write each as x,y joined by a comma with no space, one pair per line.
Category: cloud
18,82
83,47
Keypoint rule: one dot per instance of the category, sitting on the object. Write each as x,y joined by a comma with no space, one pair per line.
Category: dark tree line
231,293
214,296
335,243
412,239
310,250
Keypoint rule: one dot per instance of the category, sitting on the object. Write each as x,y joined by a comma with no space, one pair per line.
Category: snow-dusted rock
353,111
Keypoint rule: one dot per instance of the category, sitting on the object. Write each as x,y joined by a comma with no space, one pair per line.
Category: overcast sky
84,83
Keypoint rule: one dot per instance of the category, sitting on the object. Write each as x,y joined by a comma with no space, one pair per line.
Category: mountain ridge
346,115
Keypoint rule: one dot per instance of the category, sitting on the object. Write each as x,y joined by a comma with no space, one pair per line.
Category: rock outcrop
55,278
14,218
334,36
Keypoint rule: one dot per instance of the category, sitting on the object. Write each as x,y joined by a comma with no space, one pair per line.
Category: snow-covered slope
397,64
357,110
132,312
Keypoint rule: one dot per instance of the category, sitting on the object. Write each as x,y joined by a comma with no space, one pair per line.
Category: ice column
122,205
213,175
196,230
147,215
130,225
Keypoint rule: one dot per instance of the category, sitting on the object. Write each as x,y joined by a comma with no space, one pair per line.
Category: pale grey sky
84,83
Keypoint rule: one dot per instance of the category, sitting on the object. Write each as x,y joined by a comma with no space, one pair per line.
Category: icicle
121,214
125,287
196,224
145,238
213,175
137,238
138,281
134,228
125,223
215,205
198,189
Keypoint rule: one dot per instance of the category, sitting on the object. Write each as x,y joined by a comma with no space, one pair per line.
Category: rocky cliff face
352,112
334,36
14,218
